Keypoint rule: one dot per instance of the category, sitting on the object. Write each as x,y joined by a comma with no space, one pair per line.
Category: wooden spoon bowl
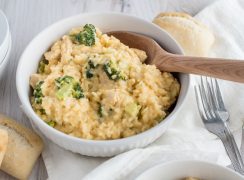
227,69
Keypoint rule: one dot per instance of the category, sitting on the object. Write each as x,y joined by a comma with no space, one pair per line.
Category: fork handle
225,138
235,147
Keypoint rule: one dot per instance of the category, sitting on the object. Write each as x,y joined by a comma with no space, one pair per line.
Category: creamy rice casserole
92,86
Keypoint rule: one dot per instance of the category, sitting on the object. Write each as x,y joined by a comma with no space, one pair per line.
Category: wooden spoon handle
232,70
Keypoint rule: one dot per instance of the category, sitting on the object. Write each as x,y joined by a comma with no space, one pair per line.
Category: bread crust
193,36
3,144
179,14
24,148
28,134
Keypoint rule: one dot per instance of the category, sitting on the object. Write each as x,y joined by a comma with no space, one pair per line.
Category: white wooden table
29,17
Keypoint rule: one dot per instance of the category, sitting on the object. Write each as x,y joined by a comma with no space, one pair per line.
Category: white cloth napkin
187,138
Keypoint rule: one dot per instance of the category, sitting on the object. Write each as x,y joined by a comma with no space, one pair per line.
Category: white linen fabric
187,138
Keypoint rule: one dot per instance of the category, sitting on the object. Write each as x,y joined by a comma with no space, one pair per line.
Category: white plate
177,170
4,62
4,36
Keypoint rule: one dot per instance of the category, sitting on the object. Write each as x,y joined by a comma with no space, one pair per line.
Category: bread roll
24,147
194,37
3,144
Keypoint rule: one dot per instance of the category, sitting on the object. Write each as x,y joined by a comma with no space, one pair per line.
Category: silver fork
215,116
225,116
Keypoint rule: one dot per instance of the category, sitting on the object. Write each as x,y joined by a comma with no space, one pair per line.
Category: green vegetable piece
112,71
64,92
132,109
51,123
91,64
100,110
61,81
42,111
67,87
38,93
41,66
89,69
87,35
77,91
89,73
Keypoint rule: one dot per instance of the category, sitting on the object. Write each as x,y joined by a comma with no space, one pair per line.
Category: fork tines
207,97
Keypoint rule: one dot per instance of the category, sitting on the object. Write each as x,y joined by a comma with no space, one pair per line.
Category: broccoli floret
41,66
64,91
38,93
90,69
87,35
112,71
51,123
67,87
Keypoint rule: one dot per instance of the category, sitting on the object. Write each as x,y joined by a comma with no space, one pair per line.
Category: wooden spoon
227,69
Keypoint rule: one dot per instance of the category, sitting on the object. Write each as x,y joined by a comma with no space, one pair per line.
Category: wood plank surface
28,17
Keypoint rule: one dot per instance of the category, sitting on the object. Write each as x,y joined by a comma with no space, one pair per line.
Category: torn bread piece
3,144
194,37
24,147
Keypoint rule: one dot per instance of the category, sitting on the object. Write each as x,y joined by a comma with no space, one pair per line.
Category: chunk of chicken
54,54
66,49
35,78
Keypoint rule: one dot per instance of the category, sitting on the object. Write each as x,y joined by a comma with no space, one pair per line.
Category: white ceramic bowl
106,22
177,170
4,36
